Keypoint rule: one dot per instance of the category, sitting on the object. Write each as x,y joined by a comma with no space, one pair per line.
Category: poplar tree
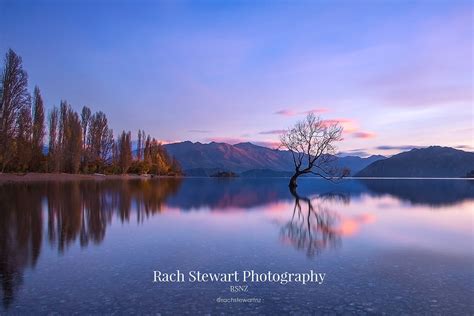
53,155
38,130
124,145
23,140
14,97
85,123
139,146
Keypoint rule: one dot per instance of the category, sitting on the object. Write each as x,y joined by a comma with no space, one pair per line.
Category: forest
65,140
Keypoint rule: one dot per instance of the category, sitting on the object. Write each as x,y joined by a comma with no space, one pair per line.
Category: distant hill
237,158
199,159
430,162
355,163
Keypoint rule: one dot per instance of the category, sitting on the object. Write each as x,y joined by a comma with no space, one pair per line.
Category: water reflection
75,211
68,213
312,227
84,209
434,193
223,194
20,235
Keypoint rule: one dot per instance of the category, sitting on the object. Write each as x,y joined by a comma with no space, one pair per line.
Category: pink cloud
349,125
365,135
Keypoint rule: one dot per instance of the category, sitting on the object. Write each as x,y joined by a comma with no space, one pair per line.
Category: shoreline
41,177
44,177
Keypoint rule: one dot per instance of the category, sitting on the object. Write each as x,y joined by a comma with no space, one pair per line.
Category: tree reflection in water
312,225
20,235
79,210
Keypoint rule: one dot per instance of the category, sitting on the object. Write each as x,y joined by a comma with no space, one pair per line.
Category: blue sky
396,74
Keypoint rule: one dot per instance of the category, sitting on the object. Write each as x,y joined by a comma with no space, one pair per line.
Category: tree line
77,143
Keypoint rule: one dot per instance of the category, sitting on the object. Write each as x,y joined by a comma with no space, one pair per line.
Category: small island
224,174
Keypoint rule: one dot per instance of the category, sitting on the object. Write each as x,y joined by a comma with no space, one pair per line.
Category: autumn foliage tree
70,139
14,97
23,141
38,131
77,142
100,142
53,146
85,120
124,146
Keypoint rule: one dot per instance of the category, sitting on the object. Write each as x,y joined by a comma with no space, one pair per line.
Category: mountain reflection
246,194
431,192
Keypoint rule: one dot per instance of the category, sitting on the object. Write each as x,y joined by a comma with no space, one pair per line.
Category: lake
385,245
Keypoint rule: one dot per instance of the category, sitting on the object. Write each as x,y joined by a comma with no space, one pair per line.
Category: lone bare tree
311,142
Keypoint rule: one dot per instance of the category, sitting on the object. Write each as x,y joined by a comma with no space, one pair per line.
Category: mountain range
430,162
198,159
250,160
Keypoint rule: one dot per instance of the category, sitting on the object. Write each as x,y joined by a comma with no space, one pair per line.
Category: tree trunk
293,183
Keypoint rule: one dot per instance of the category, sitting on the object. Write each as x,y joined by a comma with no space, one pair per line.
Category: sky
394,74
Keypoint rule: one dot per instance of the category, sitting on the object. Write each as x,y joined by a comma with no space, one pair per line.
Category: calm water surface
387,246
